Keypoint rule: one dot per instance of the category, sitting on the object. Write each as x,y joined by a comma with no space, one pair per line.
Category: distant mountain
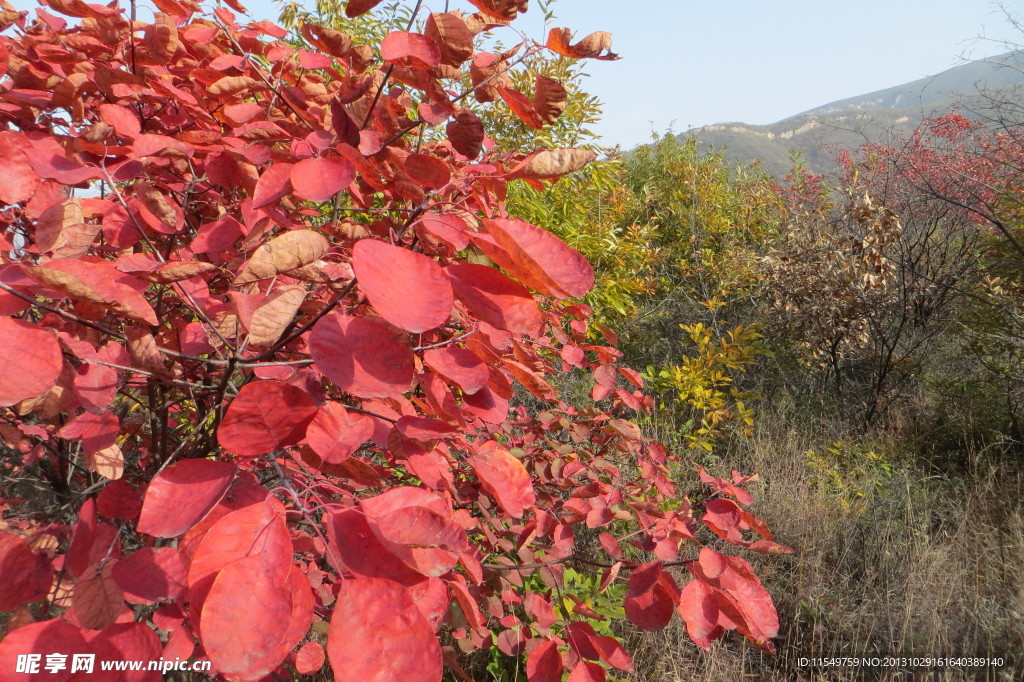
874,117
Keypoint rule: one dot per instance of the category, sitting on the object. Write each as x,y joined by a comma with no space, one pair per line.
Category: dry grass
925,564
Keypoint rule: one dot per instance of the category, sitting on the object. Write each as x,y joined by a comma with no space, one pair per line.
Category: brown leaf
161,37
143,348
156,203
288,251
62,230
96,599
553,163
478,22
232,85
489,73
273,315
334,43
502,9
178,271
549,98
452,35
466,133
595,46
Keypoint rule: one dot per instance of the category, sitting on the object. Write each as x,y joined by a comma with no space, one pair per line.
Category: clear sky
693,63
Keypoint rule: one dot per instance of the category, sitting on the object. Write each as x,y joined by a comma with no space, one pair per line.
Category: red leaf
495,299
725,487
256,530
361,551
423,429
452,36
585,671
47,636
612,652
447,228
244,616
154,145
34,368
217,236
53,165
427,170
90,541
26,575
406,288
487,405
181,495
18,182
97,431
335,433
651,598
272,185
549,98
502,9
361,356
412,50
126,641
122,119
119,500
580,635
296,628
96,386
712,564
768,547
378,635
537,258
417,527
265,416
459,366
321,179
310,658
150,575
754,602
544,664
522,107
506,479
356,7
699,613
741,601
723,517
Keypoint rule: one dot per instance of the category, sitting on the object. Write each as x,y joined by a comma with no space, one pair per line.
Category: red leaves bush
279,325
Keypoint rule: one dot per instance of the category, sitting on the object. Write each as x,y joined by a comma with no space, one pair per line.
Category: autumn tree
264,392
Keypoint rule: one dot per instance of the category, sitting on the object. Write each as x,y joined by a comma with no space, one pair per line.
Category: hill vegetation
880,117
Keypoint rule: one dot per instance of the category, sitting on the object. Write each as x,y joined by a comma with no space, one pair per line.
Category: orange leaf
595,46
506,479
96,599
537,258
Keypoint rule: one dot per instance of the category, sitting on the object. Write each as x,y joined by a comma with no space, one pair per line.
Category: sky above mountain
693,63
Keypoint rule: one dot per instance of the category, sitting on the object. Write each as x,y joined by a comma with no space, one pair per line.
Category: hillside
872,117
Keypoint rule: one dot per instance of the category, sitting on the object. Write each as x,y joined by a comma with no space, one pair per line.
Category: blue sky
693,63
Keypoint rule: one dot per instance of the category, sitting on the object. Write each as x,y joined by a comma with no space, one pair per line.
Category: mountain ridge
878,116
